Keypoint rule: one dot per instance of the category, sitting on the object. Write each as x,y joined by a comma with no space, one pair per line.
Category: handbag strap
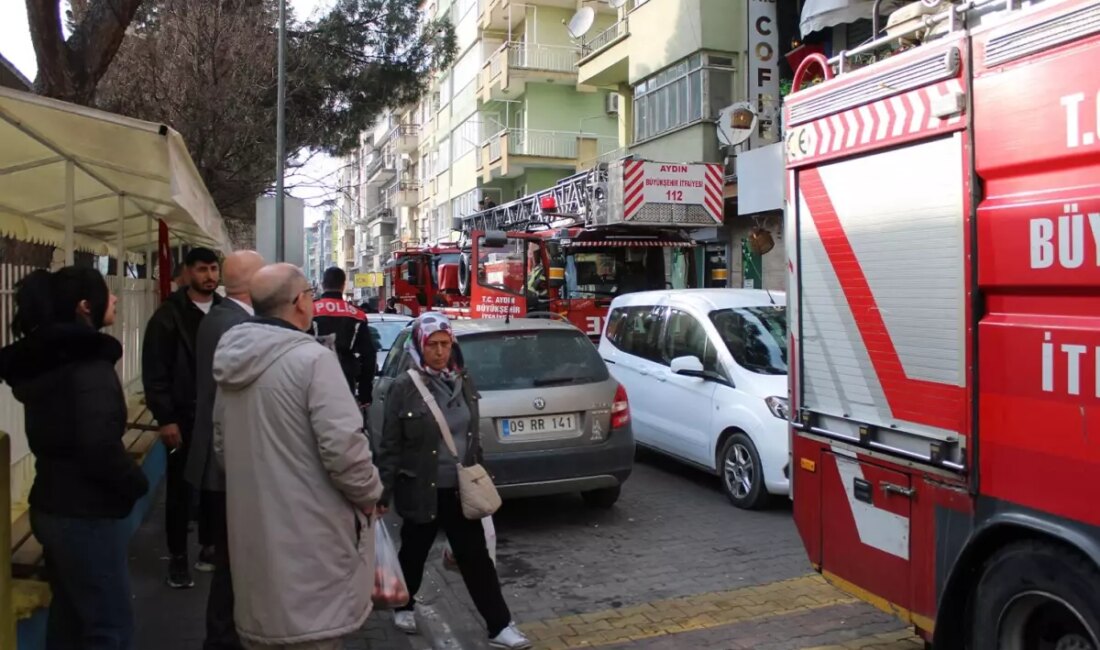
433,406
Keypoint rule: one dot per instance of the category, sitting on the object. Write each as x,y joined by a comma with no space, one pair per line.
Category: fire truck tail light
620,409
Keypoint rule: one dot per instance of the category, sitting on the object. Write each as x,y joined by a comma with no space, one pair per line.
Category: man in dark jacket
168,373
334,316
203,471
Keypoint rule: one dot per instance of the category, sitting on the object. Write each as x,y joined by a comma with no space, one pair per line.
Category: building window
443,156
466,137
675,96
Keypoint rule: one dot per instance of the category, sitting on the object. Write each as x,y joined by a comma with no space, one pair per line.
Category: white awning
819,14
125,173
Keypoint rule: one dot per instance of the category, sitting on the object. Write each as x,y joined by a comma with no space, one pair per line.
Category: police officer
335,317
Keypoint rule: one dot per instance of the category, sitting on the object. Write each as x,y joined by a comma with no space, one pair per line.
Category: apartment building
674,65
510,116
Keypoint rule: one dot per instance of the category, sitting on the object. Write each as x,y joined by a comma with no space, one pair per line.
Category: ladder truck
570,249
943,226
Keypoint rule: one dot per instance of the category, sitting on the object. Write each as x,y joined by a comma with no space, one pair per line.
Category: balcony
510,152
603,62
381,213
382,170
404,194
514,65
406,138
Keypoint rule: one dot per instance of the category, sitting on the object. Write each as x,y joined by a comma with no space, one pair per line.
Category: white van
706,374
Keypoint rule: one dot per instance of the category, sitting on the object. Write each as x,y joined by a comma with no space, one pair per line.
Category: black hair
200,255
334,279
43,298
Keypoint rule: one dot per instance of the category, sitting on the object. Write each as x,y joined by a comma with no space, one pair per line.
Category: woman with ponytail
62,369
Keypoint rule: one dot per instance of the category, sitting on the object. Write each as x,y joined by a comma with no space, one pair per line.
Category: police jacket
334,316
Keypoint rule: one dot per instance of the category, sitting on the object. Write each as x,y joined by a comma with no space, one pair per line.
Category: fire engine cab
568,250
424,278
944,224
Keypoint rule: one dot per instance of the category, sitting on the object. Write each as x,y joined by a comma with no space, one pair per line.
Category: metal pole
70,213
280,140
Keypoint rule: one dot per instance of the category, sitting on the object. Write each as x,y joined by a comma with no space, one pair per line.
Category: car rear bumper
558,471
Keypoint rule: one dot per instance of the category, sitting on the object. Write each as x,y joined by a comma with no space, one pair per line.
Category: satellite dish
736,123
615,4
581,22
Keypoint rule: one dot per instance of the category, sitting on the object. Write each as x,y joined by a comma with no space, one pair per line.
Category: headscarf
424,327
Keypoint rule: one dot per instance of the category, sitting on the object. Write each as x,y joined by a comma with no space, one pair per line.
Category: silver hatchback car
553,420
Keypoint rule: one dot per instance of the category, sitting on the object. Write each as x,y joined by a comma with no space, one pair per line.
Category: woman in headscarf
420,475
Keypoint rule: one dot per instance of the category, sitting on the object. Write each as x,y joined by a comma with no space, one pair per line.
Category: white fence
537,56
137,299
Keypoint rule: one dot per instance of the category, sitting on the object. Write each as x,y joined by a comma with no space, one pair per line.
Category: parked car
706,371
553,419
385,328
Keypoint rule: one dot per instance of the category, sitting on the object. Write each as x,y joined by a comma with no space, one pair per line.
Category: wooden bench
29,590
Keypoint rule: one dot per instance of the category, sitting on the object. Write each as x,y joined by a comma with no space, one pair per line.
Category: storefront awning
820,14
102,177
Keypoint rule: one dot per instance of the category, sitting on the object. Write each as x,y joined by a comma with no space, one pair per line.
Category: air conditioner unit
612,103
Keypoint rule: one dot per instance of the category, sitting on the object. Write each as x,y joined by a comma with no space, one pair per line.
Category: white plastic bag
490,542
390,590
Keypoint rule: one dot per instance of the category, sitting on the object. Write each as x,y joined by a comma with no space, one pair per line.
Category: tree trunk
70,70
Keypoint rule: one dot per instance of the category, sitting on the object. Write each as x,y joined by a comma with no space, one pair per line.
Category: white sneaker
510,638
405,621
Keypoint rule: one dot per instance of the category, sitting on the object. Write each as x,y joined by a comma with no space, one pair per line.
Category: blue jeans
87,566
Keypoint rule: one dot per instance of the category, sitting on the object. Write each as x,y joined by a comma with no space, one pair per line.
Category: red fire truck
568,250
424,278
944,225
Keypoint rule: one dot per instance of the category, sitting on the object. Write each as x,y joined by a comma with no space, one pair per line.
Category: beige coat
298,477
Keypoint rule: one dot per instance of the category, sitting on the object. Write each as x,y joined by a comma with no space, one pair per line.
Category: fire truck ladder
582,195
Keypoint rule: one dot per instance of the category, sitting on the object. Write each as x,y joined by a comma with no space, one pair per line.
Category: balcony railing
605,38
547,144
536,56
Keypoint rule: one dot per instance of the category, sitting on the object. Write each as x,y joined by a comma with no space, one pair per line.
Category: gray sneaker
405,621
510,638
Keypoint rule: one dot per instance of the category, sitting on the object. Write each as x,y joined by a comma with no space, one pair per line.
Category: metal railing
605,38
547,144
495,145
537,56
408,129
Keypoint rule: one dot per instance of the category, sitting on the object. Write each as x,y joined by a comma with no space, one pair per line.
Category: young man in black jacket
168,373
334,316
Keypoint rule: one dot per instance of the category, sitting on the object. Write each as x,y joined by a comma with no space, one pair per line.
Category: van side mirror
688,367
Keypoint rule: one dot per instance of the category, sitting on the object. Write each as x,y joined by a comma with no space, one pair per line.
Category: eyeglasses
308,291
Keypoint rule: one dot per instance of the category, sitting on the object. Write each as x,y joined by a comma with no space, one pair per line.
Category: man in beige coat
300,483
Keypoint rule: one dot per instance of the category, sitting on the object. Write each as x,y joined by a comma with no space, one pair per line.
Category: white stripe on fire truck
884,120
877,528
838,132
853,129
868,120
900,113
917,102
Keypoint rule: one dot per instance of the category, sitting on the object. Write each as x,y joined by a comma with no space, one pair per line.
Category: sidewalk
170,619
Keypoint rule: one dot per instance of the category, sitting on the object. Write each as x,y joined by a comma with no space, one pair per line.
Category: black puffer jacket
75,418
408,453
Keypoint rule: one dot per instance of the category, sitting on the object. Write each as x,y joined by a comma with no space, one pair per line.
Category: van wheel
603,497
742,475
1036,596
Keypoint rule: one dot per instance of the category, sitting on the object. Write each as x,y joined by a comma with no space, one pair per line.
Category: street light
280,140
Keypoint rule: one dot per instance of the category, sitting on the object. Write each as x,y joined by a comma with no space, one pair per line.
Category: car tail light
620,410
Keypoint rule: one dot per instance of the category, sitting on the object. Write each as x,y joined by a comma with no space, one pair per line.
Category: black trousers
467,540
221,631
177,499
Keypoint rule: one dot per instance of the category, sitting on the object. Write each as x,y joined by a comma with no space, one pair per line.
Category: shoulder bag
476,492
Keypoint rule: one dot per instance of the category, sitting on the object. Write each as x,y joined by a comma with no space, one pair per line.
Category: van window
755,336
637,331
518,360
685,336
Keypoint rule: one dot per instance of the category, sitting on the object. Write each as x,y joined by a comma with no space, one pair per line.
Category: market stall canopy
820,14
124,172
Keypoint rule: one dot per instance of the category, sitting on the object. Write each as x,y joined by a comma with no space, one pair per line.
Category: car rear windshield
541,358
385,332
755,336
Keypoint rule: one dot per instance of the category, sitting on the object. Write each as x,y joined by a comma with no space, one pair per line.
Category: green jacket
408,454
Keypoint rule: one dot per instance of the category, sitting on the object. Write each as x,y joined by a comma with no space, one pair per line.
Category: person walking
301,486
334,316
203,472
168,374
86,484
420,476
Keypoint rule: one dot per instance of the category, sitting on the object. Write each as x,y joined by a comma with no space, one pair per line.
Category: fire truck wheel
1034,595
464,274
741,472
603,497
